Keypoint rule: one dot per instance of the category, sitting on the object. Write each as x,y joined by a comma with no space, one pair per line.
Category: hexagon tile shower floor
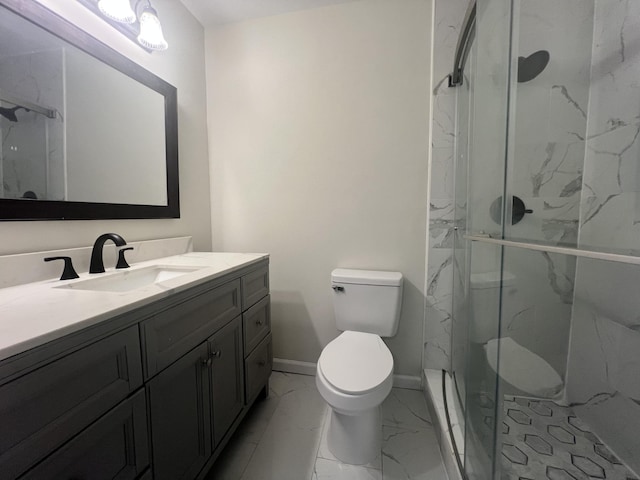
541,439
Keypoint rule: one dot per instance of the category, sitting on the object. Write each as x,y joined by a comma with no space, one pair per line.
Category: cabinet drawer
172,333
116,446
45,408
257,368
256,323
255,285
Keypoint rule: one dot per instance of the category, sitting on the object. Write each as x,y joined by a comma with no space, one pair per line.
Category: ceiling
217,12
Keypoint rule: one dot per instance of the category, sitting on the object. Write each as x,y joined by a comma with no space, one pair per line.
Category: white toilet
355,371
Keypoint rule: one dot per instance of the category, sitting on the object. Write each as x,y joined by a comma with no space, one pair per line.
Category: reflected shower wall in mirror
81,134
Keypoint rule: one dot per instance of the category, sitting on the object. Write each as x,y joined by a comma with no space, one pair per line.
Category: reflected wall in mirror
86,133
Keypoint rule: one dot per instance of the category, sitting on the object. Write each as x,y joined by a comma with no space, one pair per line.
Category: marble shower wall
545,170
32,155
550,122
576,163
604,358
448,18
603,384
610,215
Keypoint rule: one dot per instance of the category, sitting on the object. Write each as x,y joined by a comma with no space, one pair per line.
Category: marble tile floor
284,438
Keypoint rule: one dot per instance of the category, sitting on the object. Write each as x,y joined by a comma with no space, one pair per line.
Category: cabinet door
114,447
227,379
179,403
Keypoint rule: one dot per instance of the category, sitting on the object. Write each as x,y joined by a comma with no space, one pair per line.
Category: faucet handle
69,273
122,262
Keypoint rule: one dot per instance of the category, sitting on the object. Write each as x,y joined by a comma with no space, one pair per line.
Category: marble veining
284,438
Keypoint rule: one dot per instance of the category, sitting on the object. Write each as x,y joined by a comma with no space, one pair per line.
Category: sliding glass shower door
481,149
545,331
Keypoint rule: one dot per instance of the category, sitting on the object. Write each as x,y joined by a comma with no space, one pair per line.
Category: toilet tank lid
366,277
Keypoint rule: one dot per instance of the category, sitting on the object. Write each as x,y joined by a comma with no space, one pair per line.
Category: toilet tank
367,300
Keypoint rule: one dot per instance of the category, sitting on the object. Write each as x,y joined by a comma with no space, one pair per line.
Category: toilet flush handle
337,288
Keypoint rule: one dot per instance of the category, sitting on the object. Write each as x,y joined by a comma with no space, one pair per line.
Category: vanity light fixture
118,10
149,33
150,29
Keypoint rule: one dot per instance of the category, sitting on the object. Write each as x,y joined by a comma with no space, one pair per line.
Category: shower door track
577,252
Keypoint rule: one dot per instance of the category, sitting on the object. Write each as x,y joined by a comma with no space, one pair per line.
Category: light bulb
118,10
151,31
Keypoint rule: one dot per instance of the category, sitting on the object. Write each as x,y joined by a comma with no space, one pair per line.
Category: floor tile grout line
261,436
325,419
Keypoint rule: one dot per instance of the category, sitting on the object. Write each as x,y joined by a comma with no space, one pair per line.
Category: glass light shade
118,10
151,31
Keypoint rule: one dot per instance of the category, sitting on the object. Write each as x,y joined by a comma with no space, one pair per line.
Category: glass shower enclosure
545,339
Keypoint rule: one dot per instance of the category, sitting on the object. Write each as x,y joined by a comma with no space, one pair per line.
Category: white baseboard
309,368
294,366
407,381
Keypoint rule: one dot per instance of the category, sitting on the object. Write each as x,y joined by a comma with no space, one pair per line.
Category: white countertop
36,313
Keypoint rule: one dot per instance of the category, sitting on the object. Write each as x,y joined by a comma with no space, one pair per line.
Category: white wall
182,66
318,134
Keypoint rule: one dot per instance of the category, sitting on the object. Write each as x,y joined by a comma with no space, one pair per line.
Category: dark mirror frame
14,209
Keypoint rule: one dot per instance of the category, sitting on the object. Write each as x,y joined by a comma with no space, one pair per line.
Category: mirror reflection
72,127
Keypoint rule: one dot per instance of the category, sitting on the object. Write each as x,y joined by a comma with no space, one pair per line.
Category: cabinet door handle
259,322
216,354
262,363
207,362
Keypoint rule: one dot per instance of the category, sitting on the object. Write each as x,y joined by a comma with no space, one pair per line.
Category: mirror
86,133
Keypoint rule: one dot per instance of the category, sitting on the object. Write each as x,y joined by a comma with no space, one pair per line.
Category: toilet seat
356,363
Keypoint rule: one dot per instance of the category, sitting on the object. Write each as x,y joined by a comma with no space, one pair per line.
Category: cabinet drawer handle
262,363
259,322
216,354
206,362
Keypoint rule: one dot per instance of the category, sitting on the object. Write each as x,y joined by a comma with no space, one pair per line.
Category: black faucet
97,263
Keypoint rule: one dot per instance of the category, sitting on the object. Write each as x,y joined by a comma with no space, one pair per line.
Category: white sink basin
127,280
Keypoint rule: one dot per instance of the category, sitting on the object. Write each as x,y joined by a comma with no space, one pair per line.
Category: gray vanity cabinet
152,393
179,399
227,378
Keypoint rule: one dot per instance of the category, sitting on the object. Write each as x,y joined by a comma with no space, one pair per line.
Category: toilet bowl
354,375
